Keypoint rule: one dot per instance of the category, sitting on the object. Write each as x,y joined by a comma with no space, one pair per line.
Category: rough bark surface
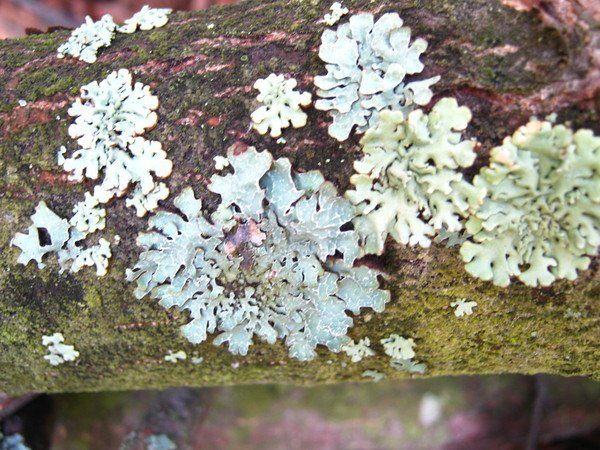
504,62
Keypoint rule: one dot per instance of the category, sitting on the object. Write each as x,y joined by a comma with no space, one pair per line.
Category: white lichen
58,352
408,365
74,257
146,19
337,12
367,63
34,245
197,360
374,375
110,117
281,105
359,350
398,348
22,102
12,442
86,40
265,264
174,357
541,218
87,217
463,307
407,183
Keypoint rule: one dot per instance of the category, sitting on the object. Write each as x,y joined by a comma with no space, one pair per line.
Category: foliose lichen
281,105
540,220
367,63
397,347
146,19
358,350
58,352
407,184
13,442
174,357
274,260
462,307
86,40
337,12
110,116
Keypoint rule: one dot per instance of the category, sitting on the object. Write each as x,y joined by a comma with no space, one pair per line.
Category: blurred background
493,412
462,413
16,16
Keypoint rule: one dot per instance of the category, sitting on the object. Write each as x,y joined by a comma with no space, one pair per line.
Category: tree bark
504,63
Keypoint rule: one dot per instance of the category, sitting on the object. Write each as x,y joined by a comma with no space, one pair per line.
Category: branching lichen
86,40
541,219
337,12
146,19
367,63
407,184
110,117
462,307
265,264
58,352
281,105
358,350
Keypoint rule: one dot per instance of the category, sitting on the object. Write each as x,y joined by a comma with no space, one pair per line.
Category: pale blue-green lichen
58,352
146,19
407,183
358,350
266,263
367,63
540,220
13,442
110,118
462,307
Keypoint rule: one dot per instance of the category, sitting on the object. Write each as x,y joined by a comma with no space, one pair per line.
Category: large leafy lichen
109,119
367,63
541,218
266,263
407,184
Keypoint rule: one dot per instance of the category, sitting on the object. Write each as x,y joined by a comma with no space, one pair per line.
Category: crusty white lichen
281,105
367,63
86,40
463,307
337,12
146,19
274,260
541,218
58,351
358,350
407,183
110,116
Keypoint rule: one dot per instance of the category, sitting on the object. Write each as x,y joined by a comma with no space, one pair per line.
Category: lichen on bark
499,62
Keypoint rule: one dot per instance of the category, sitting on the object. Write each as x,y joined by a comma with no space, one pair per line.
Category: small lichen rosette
367,63
267,263
281,105
110,118
541,218
407,184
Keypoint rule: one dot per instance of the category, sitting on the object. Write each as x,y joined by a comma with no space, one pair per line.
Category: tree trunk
504,63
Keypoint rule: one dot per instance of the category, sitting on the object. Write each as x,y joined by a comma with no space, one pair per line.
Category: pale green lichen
367,63
358,350
281,105
541,218
398,348
59,352
265,264
462,307
110,116
146,19
337,12
174,357
373,375
407,184
86,40
31,244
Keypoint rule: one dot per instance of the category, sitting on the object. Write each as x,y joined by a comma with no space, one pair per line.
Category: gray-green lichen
407,183
266,263
367,63
540,220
